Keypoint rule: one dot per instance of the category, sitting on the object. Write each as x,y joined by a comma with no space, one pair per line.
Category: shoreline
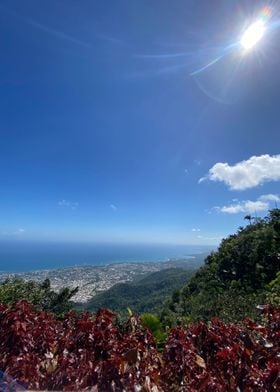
92,279
103,264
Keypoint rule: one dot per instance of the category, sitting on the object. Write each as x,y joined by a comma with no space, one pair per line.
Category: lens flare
266,13
253,34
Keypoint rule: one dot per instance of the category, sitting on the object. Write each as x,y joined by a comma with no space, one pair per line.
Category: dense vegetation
145,295
39,351
38,294
241,274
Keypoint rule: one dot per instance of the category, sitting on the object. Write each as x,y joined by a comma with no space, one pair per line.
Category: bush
220,357
85,352
152,322
42,352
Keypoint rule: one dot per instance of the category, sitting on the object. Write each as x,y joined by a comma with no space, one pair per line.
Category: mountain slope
235,278
145,295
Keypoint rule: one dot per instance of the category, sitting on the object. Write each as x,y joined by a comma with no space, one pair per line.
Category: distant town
92,279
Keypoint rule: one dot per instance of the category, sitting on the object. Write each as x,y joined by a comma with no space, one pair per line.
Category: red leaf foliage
42,352
89,352
222,357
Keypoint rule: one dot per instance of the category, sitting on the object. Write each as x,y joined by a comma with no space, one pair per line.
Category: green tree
273,291
39,294
235,278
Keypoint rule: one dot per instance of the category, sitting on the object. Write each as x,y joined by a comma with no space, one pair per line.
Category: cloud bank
263,203
246,174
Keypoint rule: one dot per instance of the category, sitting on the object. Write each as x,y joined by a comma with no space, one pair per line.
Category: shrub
85,352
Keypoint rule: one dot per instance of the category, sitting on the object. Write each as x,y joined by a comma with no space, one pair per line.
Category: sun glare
253,35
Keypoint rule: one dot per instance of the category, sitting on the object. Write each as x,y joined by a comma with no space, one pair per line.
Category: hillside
236,278
144,295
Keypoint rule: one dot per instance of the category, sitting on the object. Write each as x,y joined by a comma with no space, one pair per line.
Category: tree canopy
39,294
235,278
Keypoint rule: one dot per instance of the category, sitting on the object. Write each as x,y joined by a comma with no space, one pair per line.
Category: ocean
23,256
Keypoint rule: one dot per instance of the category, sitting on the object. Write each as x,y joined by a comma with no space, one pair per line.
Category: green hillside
236,278
145,295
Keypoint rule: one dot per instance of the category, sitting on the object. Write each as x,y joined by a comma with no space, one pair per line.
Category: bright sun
253,35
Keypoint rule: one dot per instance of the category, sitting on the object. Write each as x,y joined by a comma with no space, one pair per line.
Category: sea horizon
27,257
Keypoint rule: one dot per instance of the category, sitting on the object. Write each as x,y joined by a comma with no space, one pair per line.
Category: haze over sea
22,257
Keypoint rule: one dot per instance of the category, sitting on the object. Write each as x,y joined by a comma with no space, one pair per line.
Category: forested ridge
145,295
241,274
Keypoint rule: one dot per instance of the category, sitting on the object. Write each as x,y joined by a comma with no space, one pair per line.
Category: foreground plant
85,352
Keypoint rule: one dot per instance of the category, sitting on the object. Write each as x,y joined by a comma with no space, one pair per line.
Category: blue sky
108,133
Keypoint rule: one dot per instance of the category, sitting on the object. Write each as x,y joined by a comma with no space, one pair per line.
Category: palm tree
249,218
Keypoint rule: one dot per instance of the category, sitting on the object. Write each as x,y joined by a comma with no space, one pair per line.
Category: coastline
92,279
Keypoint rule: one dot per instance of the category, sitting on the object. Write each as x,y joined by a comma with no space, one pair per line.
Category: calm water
29,256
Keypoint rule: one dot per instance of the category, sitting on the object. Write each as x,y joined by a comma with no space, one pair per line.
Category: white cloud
270,197
249,206
244,207
246,174
113,207
68,204
195,230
